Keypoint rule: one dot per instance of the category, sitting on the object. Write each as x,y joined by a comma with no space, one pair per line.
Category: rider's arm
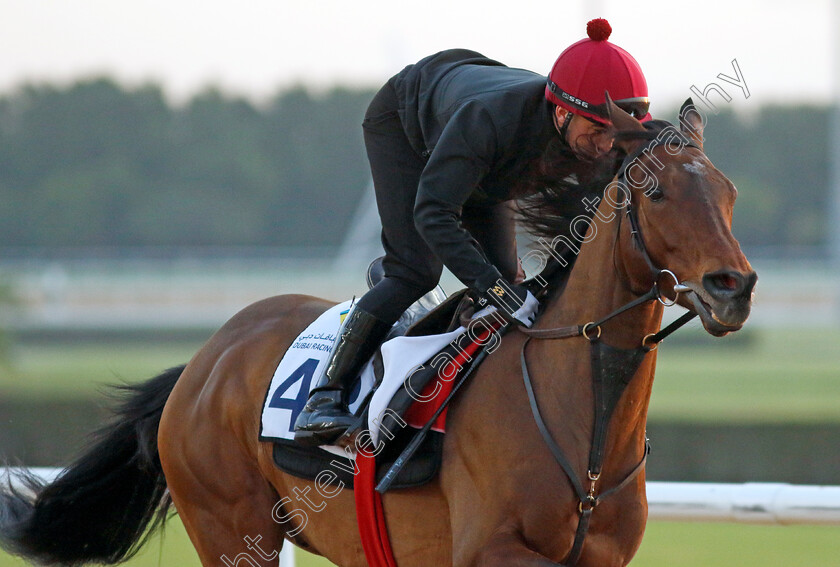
462,157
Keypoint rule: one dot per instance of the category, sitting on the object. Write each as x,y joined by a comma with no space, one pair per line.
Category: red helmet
588,68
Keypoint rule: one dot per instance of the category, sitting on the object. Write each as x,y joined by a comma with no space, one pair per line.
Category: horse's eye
656,195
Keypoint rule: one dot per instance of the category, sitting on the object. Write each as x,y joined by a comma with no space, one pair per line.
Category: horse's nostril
726,281
725,285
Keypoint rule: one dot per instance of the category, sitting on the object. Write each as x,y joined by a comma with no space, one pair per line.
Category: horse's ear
622,122
691,122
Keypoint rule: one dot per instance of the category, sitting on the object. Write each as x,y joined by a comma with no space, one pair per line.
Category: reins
612,370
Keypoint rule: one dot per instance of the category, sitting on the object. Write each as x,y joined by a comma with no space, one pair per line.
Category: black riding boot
325,417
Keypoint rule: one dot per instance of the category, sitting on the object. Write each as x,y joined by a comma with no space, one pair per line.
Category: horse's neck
596,287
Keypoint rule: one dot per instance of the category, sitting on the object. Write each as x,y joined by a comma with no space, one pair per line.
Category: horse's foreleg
507,549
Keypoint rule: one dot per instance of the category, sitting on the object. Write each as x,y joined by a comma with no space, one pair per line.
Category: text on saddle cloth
304,361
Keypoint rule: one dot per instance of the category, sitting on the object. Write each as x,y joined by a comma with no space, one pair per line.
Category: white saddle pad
303,364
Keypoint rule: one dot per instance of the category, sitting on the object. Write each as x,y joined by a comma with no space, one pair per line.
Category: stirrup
324,418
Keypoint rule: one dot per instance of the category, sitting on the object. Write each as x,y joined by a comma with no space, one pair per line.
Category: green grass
665,545
172,548
68,371
723,545
774,376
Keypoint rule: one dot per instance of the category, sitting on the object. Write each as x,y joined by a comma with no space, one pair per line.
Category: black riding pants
411,267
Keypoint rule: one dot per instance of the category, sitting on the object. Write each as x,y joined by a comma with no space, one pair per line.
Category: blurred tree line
778,158
98,164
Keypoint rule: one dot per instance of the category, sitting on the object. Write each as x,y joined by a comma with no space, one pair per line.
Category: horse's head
681,210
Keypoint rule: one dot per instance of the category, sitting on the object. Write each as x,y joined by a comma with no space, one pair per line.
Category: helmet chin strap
563,130
564,127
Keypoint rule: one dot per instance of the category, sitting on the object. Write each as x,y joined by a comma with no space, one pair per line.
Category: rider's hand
515,302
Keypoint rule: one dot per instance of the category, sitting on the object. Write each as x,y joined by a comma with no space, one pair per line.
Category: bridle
629,210
612,370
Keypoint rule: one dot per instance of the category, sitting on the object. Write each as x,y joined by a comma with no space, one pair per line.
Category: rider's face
588,139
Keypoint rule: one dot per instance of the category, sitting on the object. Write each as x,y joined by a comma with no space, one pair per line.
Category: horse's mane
549,210
558,186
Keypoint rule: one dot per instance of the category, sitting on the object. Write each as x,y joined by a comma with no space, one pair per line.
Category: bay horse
501,498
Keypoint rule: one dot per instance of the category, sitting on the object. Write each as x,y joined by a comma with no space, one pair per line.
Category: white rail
750,503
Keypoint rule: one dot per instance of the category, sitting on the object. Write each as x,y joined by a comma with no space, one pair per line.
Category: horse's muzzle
723,301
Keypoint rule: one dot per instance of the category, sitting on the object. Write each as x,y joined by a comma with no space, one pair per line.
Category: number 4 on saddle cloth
425,354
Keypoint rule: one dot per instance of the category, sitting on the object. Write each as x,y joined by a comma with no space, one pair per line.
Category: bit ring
662,299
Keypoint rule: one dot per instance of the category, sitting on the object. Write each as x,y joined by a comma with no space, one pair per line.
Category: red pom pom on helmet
598,29
589,67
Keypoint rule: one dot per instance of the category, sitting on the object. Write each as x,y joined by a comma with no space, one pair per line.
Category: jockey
452,141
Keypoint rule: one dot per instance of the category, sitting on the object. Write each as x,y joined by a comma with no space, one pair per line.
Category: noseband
612,370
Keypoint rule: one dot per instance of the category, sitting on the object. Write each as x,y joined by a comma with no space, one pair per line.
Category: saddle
433,314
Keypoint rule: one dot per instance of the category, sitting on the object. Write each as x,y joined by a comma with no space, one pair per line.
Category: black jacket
479,124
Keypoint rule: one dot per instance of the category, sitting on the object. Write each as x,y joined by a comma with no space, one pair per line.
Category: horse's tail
104,506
